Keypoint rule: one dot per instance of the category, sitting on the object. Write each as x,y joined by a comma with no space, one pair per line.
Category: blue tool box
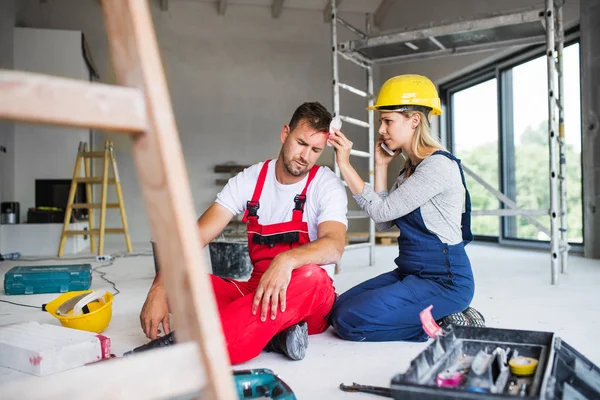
561,373
48,279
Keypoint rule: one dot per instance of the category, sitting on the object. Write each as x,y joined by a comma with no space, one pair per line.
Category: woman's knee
346,325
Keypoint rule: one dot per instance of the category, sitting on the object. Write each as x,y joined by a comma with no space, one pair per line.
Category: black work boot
291,342
468,317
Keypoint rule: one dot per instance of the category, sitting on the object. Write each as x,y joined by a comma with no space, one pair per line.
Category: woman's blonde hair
423,144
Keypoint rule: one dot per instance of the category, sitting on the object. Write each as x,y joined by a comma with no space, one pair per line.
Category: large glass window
523,172
475,142
526,144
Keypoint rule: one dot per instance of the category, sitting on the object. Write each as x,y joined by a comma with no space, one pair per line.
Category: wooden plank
141,376
120,199
39,98
93,154
89,194
103,196
166,190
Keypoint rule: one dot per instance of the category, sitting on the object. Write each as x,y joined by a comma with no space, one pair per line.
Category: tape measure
449,379
523,366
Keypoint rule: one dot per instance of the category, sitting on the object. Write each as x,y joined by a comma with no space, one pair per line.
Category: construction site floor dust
512,291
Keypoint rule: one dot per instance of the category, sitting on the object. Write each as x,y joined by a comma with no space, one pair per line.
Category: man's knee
311,273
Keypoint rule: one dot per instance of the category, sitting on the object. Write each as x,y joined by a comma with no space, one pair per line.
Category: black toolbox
562,372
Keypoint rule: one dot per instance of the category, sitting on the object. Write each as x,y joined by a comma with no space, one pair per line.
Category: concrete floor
513,291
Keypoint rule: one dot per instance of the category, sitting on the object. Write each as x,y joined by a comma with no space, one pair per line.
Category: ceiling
279,6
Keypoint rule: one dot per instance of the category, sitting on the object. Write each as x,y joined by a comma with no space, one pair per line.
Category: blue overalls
387,307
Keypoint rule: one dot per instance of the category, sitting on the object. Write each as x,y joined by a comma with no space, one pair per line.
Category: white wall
7,22
42,151
234,80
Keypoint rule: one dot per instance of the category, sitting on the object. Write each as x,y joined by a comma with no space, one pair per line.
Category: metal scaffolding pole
336,77
553,140
371,120
370,154
562,145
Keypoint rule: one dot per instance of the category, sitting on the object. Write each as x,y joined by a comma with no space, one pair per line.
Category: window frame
499,69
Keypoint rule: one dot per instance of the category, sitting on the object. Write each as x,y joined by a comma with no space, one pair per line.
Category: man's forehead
309,134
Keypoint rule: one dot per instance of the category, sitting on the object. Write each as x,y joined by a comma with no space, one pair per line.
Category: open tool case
561,373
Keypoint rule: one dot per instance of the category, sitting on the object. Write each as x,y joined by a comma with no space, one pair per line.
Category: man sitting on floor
296,222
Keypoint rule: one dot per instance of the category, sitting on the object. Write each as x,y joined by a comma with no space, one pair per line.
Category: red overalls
310,294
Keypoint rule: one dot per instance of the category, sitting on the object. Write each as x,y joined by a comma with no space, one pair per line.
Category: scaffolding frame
369,124
531,26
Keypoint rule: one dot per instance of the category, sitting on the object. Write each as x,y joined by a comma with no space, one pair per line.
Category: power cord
102,275
19,304
95,269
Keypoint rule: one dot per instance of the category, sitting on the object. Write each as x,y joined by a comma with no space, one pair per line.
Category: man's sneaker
468,317
291,342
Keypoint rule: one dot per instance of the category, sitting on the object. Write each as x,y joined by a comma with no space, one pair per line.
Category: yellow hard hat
87,310
408,90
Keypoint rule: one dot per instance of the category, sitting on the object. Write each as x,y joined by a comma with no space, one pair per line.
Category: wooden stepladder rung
98,180
94,231
84,156
93,154
94,205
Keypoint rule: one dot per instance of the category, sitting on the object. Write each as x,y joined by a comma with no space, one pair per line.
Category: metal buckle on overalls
253,207
300,199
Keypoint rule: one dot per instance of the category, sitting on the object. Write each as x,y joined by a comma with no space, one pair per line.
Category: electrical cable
102,274
19,304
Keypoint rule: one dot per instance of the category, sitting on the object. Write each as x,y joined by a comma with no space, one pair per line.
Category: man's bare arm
155,309
210,225
327,249
212,222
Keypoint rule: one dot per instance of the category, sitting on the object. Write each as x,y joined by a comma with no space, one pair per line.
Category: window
526,145
475,142
512,96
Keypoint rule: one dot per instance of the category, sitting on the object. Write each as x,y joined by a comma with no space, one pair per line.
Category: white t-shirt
326,198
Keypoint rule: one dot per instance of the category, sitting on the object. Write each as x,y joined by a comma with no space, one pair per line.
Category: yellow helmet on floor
408,90
87,310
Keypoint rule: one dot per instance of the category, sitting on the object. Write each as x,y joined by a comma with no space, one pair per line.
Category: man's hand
155,311
272,287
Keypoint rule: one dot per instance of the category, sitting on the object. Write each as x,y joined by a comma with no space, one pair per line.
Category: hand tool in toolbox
467,362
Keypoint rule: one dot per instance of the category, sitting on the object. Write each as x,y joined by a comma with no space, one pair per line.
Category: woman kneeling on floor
430,204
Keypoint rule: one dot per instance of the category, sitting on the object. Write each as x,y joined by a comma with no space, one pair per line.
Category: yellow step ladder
85,156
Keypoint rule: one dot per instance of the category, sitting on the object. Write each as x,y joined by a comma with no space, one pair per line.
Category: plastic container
562,372
48,279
